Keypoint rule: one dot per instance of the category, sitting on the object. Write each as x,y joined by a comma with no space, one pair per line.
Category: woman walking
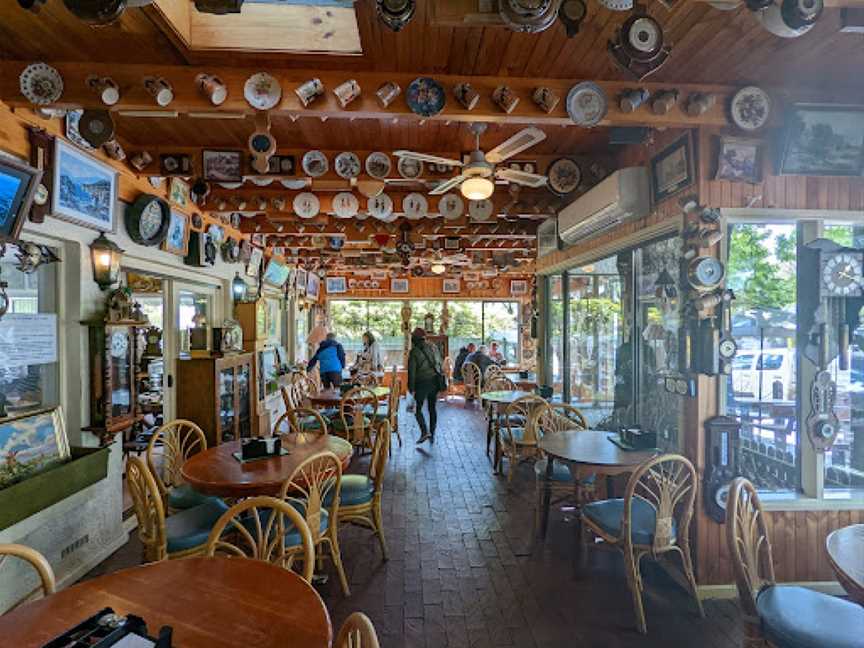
425,380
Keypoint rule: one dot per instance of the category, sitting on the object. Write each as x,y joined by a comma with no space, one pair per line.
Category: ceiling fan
476,179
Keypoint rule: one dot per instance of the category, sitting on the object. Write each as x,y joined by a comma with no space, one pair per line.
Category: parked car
769,374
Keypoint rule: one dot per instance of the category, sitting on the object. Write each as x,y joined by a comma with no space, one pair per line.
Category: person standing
369,359
331,357
425,378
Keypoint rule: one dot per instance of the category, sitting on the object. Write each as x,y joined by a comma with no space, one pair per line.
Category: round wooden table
332,397
588,452
209,602
216,472
846,554
499,399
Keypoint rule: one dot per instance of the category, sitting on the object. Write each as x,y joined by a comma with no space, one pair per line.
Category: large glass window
352,317
301,333
349,319
385,323
501,325
555,361
466,324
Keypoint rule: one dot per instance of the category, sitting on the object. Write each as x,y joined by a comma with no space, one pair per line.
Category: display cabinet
113,401
218,393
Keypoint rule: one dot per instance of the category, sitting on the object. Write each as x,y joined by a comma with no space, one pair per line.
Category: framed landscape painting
336,285
824,141
673,170
31,443
85,189
739,160
222,166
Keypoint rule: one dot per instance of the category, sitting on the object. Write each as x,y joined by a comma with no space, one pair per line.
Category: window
385,323
350,319
301,333
501,325
555,360
466,324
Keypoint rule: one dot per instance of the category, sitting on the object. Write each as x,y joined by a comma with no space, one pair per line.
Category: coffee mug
664,102
113,150
630,100
308,91
106,88
141,160
466,95
213,88
347,92
160,90
505,99
546,99
387,93
699,103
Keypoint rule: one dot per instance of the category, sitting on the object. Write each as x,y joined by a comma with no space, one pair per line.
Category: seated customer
496,355
331,355
464,352
481,358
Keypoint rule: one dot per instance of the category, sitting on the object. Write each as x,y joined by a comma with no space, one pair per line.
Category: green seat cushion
609,514
292,537
191,527
185,497
339,425
356,489
518,435
797,617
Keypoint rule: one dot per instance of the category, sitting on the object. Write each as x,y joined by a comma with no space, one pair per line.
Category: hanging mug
546,99
141,160
160,90
308,91
113,150
387,93
505,99
106,88
664,102
347,92
466,95
630,100
699,103
213,88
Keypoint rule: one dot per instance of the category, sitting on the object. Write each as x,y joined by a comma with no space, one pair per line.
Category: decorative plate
415,206
425,96
750,108
451,206
262,91
587,104
260,181
306,205
409,168
315,164
380,207
481,209
347,165
41,84
617,5
231,185
645,36
378,165
294,185
72,132
564,176
345,205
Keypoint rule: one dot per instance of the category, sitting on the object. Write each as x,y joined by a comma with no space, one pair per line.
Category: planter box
19,501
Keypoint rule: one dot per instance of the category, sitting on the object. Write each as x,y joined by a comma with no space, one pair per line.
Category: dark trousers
331,379
426,392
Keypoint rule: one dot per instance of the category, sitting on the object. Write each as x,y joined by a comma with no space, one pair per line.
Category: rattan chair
517,438
37,561
492,371
357,632
393,401
303,421
358,410
472,380
179,439
780,615
307,384
366,379
316,481
262,528
180,535
653,519
495,417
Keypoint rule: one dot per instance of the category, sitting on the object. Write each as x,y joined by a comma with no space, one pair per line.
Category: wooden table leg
547,496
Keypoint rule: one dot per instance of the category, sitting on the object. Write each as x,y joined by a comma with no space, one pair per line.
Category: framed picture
84,189
451,286
18,184
301,281
254,265
399,285
518,287
336,285
222,166
281,165
673,170
177,240
471,275
313,285
178,192
30,444
824,141
276,273
739,160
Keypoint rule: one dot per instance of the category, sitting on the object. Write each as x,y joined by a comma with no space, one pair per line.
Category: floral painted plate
587,104
41,84
262,91
425,96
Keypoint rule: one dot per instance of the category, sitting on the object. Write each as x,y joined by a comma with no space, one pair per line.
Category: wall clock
841,273
564,176
415,206
345,205
705,273
451,206
306,205
147,220
480,209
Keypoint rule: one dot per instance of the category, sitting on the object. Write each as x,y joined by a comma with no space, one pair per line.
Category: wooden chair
471,380
179,440
517,438
261,528
361,495
306,384
303,421
492,371
393,401
358,410
314,482
366,379
653,519
357,632
180,535
780,615
494,417
37,561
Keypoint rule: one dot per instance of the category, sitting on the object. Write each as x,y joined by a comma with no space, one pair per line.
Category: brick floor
463,571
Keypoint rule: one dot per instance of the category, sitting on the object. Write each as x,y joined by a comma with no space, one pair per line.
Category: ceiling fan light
477,188
438,268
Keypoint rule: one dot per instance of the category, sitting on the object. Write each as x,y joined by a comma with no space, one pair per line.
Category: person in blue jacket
331,356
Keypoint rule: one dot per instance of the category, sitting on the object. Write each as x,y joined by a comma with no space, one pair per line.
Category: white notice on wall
28,339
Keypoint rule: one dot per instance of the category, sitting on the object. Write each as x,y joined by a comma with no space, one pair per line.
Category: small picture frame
39,440
518,287
739,160
399,286
18,184
471,275
84,189
178,192
673,170
281,165
313,285
255,259
301,281
451,286
177,239
336,285
222,166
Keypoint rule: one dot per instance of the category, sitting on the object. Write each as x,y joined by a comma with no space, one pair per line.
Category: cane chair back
380,454
366,379
304,386
149,509
357,632
358,410
255,528
393,401
471,379
179,439
491,372
37,561
558,417
303,421
518,438
748,542
499,382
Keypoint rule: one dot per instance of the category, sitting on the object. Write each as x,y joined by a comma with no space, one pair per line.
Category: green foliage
762,277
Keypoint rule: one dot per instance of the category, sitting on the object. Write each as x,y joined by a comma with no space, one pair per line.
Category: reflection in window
301,333
556,335
466,325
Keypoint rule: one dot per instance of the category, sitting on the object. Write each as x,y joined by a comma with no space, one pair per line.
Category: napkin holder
638,439
105,629
259,448
545,392
523,375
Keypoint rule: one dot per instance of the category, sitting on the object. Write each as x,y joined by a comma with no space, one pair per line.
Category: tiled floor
462,571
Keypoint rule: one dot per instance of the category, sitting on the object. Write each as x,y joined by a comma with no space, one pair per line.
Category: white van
773,369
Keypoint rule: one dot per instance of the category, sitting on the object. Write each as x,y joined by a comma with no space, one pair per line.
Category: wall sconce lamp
238,288
105,255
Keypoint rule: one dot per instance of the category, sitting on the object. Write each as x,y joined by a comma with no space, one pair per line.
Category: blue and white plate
425,96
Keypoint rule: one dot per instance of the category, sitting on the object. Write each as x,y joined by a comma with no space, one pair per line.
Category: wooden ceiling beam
187,98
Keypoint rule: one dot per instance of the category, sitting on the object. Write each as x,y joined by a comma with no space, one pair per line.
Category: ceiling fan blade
447,185
425,157
521,177
524,139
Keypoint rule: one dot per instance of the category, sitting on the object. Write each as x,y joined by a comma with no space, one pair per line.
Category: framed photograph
178,192
739,160
313,285
399,286
254,265
281,165
18,184
824,141
471,275
276,273
30,444
301,281
222,166
177,240
673,170
518,287
451,286
336,285
84,189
